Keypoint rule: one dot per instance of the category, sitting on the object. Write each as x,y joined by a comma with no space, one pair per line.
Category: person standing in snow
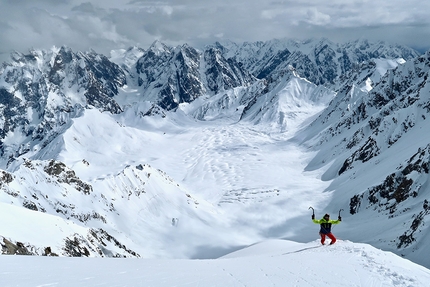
325,230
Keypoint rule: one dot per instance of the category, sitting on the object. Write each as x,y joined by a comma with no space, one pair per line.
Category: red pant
330,235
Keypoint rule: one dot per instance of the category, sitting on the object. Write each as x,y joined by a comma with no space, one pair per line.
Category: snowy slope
114,174
224,184
290,100
376,149
269,263
132,213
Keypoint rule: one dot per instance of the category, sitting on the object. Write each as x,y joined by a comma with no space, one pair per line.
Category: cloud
315,17
85,7
111,24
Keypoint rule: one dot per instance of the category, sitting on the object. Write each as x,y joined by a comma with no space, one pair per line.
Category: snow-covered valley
178,169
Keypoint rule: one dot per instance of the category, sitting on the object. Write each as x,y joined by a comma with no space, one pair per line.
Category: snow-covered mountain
169,76
40,93
175,152
319,60
382,130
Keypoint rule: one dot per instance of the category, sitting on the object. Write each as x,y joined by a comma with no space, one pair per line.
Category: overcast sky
104,25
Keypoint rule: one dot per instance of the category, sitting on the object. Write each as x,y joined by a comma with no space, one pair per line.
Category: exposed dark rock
369,150
5,177
354,204
66,175
101,236
10,248
408,238
273,63
396,187
30,205
76,247
48,252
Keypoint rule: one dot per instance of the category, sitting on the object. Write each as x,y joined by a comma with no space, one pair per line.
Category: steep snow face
42,91
382,131
269,263
366,74
388,112
288,102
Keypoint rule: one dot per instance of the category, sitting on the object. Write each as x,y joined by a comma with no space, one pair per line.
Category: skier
325,230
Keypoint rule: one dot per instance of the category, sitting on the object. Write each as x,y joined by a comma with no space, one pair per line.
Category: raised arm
335,221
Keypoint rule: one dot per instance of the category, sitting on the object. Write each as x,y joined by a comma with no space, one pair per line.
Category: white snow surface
219,202
268,263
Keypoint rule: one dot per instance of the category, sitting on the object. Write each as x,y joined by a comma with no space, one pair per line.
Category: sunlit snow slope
269,263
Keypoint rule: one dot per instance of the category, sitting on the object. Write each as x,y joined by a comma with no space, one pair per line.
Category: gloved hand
339,218
313,216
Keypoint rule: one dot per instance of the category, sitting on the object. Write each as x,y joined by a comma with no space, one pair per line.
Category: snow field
268,263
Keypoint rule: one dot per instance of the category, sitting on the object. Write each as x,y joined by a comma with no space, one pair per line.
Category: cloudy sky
104,25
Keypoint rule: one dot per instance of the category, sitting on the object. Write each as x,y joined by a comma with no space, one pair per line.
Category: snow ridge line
301,250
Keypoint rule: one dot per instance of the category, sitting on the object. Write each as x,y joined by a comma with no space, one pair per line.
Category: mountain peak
158,47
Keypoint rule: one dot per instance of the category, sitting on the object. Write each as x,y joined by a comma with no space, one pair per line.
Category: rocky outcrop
17,248
170,76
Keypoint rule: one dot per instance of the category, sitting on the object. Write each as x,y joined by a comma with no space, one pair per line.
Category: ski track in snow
270,263
234,158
